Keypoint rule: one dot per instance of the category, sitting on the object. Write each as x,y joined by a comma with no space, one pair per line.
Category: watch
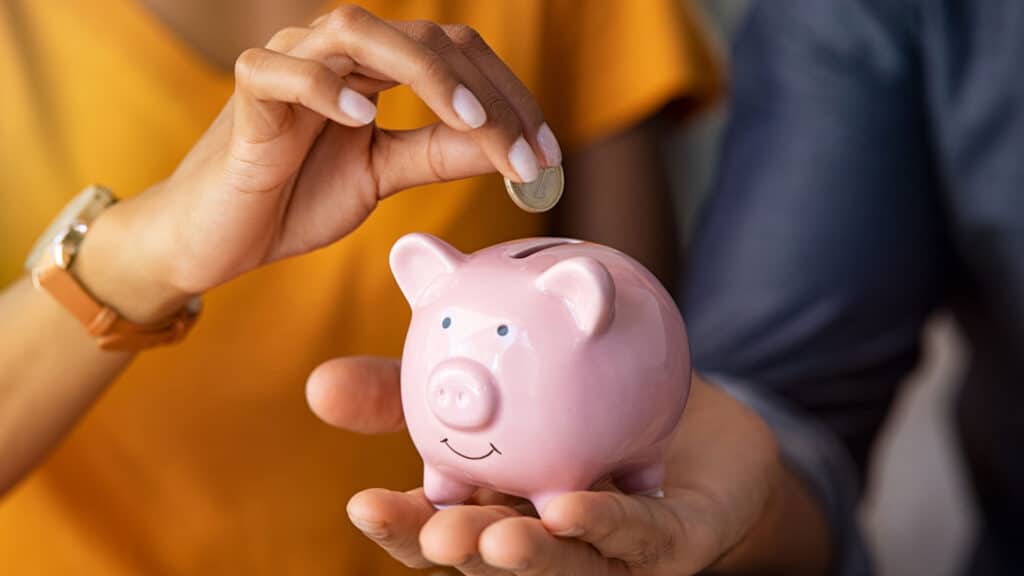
50,263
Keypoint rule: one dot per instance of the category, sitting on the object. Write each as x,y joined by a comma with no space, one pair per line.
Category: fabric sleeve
610,64
819,254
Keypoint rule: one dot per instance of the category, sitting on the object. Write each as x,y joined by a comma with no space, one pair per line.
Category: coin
540,195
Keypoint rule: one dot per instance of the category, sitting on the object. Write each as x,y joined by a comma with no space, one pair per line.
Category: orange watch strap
103,323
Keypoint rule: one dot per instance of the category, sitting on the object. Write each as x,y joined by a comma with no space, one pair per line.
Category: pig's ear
587,289
419,259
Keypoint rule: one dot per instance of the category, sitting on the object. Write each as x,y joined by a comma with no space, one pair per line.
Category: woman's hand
729,507
295,162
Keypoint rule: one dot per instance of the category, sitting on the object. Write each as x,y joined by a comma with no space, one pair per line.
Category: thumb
640,531
361,394
436,153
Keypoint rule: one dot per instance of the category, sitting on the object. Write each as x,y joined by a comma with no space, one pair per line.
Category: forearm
51,371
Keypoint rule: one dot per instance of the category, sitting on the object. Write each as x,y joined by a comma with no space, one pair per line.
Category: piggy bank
538,367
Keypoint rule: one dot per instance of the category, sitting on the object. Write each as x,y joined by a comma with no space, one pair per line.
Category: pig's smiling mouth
494,450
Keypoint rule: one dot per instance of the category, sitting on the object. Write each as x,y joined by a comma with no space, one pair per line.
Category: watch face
82,208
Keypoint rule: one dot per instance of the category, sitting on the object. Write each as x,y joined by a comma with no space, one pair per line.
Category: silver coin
540,195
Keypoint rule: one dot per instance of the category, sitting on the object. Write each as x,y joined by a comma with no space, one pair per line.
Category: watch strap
111,331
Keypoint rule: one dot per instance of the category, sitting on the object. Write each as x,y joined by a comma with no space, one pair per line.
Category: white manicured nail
468,107
549,145
523,160
356,106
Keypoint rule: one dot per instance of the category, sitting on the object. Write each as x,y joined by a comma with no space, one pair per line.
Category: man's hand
730,506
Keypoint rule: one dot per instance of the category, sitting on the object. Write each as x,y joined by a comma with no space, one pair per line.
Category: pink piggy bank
538,367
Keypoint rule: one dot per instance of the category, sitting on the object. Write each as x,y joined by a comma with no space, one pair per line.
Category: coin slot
531,250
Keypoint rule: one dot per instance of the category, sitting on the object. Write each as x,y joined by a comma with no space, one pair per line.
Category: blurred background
918,503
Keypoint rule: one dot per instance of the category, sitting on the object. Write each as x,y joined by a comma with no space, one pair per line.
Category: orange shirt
203,458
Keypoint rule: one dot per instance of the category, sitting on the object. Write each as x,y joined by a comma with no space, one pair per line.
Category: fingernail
574,532
549,145
468,107
356,106
523,160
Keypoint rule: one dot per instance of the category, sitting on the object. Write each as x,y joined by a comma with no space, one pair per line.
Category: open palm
723,476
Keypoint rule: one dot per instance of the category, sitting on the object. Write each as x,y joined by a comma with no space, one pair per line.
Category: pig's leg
541,500
644,480
444,490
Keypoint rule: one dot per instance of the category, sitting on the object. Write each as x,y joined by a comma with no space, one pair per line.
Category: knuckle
463,34
439,42
429,33
249,63
528,110
415,29
665,544
500,112
285,37
314,76
347,16
652,550
435,156
435,70
475,47
602,514
433,36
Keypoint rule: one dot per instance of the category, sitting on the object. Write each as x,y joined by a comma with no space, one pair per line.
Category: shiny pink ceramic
538,367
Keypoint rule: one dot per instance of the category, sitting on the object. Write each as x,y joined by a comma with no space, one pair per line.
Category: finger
512,90
523,546
381,50
501,133
640,531
320,20
363,70
485,497
367,85
361,394
287,38
475,566
267,81
357,34
450,537
393,521
435,153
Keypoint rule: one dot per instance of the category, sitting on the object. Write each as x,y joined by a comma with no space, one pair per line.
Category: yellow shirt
204,458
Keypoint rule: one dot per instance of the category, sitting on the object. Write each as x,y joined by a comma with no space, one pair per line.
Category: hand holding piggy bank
538,367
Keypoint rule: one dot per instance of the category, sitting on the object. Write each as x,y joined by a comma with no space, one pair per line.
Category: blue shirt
872,174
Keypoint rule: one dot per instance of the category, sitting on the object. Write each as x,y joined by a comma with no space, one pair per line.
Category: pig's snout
461,394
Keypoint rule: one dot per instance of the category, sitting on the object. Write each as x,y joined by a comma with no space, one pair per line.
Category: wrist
790,537
123,266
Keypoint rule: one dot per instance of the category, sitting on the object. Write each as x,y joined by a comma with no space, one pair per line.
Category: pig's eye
502,330
446,322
